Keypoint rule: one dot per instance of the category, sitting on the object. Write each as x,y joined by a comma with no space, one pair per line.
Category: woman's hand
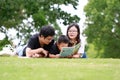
76,56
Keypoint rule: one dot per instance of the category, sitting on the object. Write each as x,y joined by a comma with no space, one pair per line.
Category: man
39,44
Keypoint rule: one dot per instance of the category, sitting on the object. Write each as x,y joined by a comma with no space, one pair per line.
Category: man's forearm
30,52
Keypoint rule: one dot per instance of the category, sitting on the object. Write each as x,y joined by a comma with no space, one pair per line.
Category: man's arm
30,52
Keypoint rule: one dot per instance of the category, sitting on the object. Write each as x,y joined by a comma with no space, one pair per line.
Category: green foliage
58,31
103,21
3,42
92,52
43,12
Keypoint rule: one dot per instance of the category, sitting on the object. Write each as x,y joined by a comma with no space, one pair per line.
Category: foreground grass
13,68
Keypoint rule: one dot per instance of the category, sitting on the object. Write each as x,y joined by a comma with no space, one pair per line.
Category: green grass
13,68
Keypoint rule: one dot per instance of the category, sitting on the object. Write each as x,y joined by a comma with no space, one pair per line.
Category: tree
103,26
43,12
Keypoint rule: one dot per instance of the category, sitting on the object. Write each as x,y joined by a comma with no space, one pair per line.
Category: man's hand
36,55
42,52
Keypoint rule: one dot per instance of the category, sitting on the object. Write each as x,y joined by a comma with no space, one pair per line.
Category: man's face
61,45
46,40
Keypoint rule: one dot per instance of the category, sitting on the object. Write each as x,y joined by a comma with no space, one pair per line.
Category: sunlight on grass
13,68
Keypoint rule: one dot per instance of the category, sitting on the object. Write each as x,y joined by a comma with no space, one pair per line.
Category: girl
73,33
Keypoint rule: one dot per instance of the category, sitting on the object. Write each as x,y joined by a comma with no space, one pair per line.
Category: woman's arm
76,56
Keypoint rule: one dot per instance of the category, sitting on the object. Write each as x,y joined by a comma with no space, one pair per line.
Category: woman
73,33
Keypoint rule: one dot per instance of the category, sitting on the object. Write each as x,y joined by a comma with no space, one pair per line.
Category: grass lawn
14,68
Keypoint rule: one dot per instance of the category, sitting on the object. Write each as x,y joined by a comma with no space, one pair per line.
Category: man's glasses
48,39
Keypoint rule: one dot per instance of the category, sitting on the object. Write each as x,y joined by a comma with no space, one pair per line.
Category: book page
66,51
76,48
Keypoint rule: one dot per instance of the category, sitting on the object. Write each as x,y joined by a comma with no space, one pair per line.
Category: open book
68,51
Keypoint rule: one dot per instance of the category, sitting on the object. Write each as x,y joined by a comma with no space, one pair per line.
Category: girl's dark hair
47,31
63,39
78,30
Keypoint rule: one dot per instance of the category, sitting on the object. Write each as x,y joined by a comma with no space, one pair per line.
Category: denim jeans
19,50
84,55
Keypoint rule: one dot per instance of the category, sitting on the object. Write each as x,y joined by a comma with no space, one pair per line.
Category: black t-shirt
34,43
54,50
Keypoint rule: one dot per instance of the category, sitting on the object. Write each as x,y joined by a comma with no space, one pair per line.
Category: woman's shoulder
83,41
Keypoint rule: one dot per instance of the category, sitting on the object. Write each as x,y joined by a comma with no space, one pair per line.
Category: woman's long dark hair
78,30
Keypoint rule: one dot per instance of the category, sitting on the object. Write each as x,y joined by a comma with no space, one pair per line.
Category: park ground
14,68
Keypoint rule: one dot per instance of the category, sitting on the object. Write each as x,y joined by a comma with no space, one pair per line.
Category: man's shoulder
35,36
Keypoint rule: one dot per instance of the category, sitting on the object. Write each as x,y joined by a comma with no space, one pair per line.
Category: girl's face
72,32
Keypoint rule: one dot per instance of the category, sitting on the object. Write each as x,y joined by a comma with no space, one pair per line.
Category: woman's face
72,32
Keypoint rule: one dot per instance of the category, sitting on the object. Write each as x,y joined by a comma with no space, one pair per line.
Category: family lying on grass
42,44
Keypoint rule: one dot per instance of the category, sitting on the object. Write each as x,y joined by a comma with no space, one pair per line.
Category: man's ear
57,43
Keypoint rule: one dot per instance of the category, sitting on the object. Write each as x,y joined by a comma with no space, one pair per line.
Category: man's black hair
63,39
47,31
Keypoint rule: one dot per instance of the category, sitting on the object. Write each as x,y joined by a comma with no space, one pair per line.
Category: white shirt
82,47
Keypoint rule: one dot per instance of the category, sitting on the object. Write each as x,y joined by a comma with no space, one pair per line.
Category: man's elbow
28,54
